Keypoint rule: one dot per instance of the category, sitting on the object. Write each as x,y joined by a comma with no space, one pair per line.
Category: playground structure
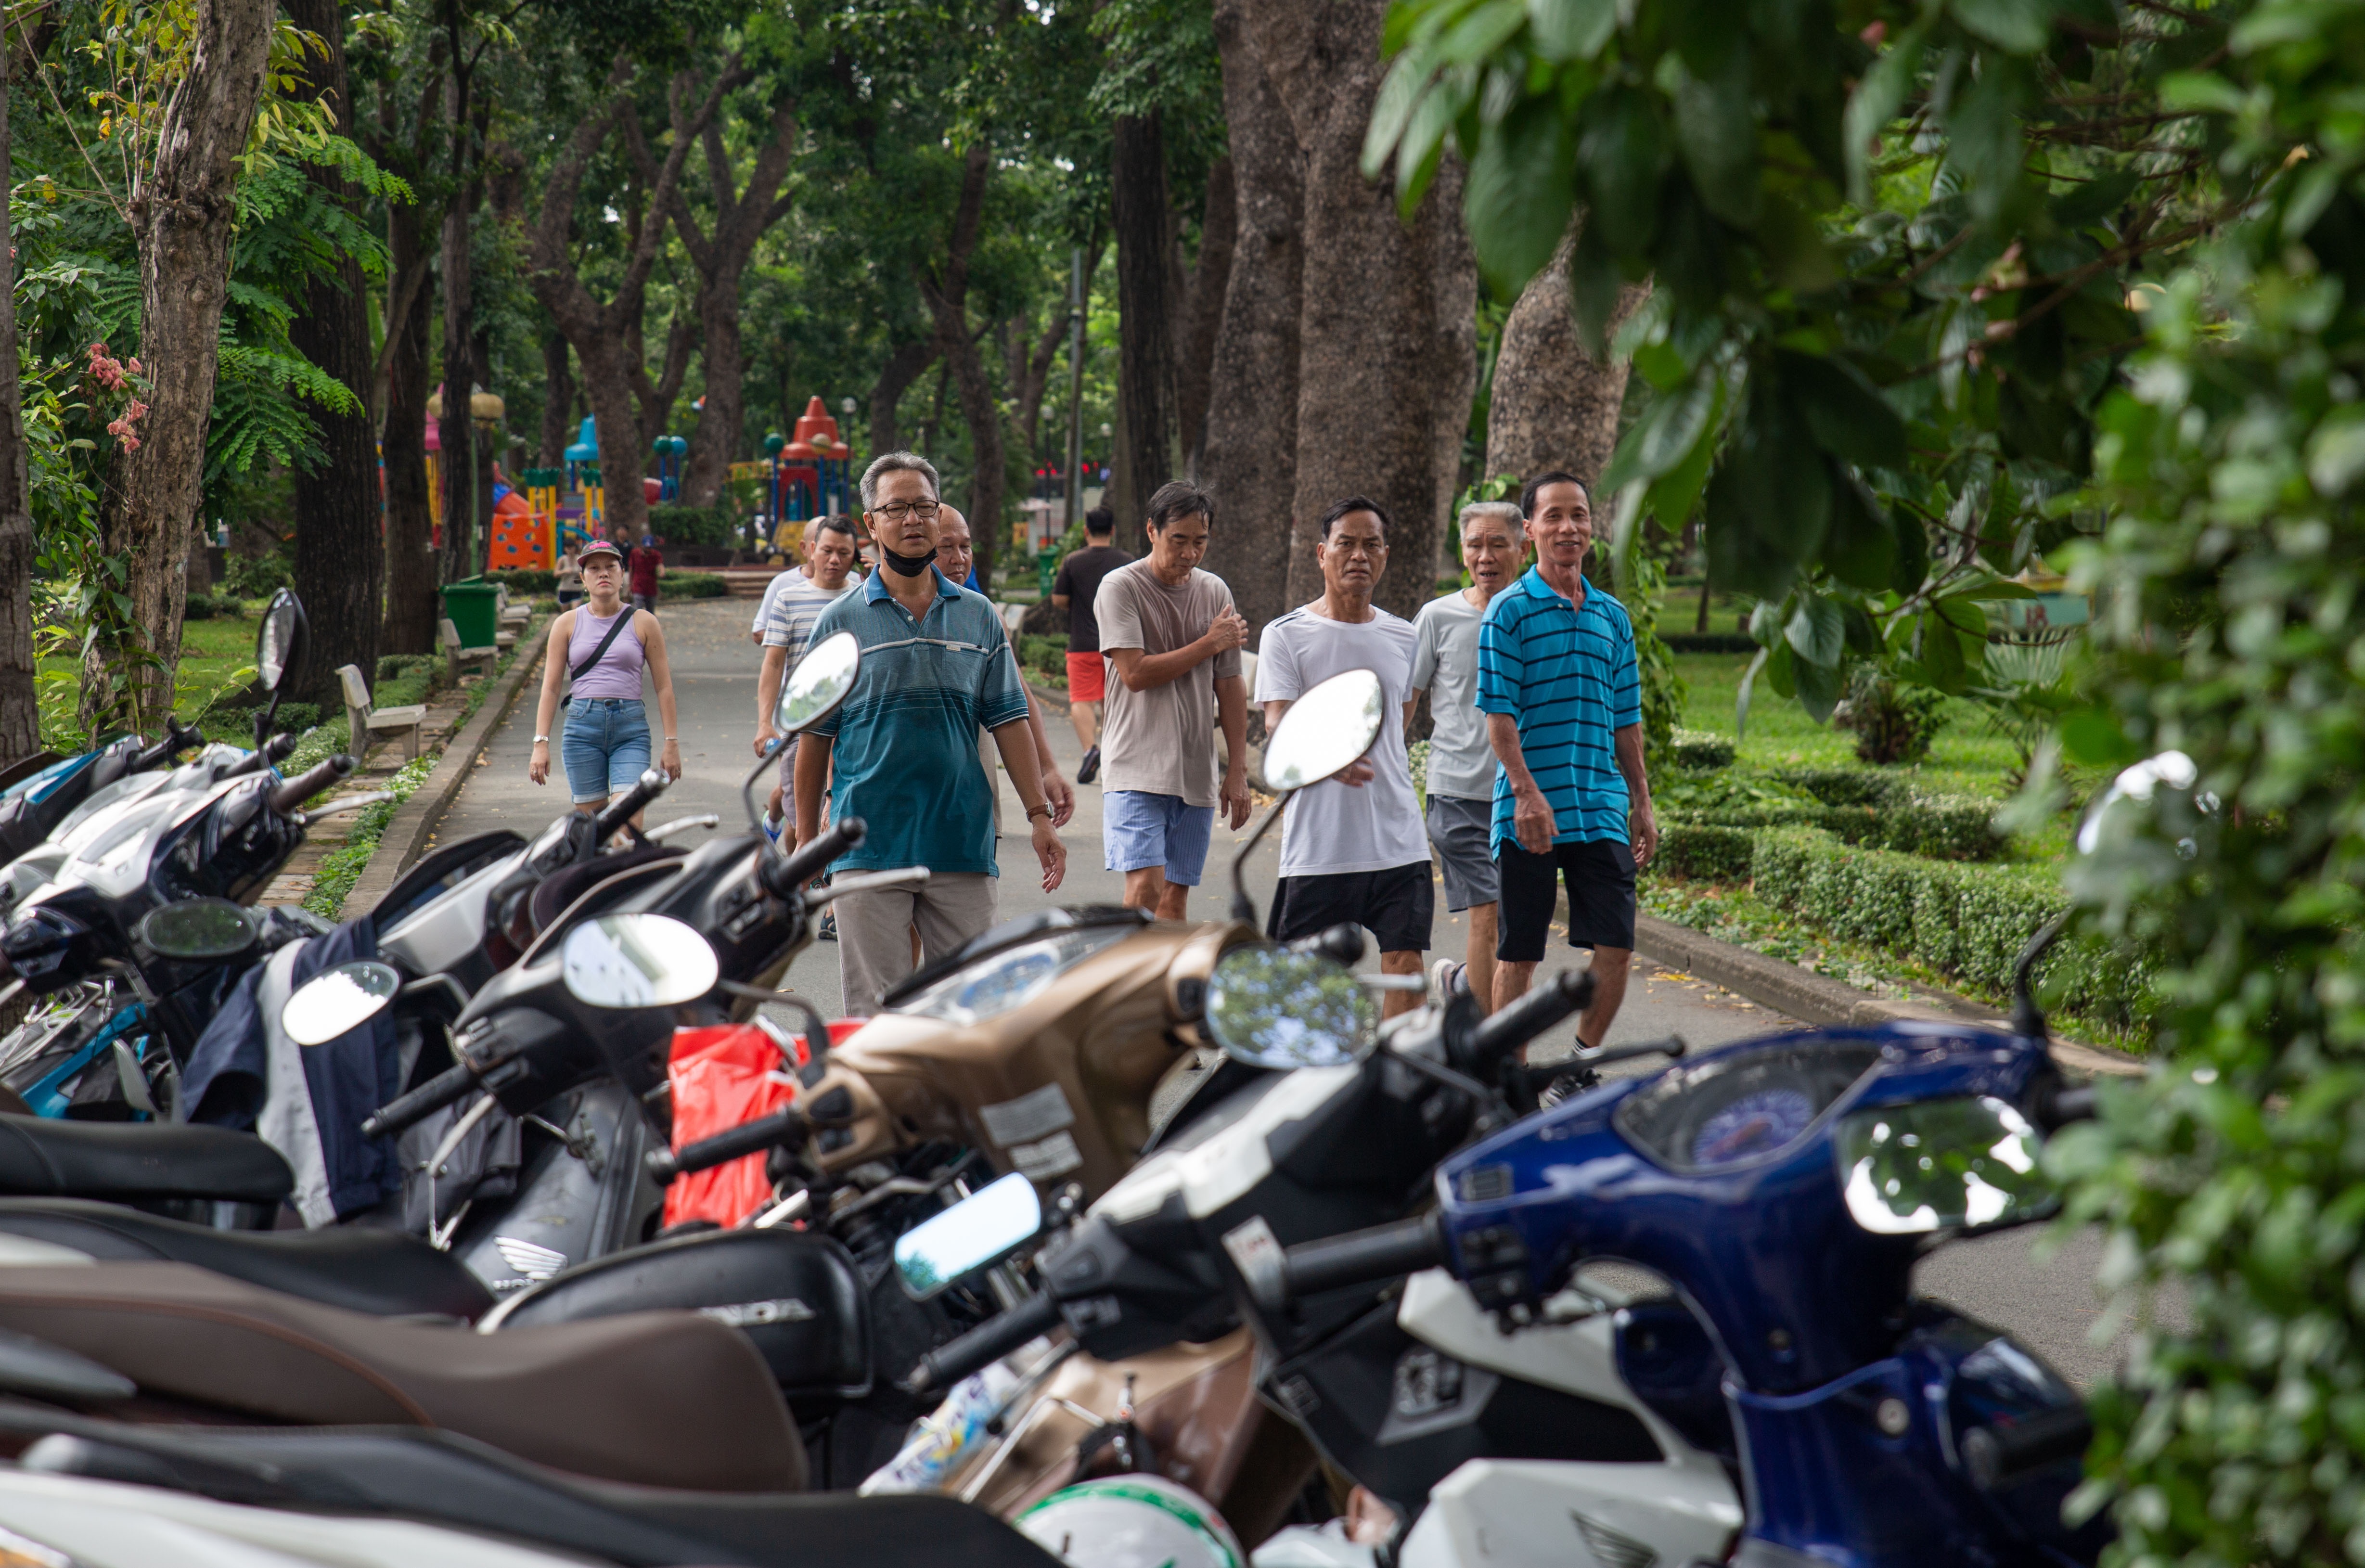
811,475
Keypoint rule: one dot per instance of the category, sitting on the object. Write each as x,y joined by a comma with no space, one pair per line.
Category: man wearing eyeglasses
935,665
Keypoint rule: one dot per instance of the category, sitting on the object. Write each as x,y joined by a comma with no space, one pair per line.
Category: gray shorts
1460,830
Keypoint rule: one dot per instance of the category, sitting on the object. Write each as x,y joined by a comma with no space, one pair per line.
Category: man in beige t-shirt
1173,639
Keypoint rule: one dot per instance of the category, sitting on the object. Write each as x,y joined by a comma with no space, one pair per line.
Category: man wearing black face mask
935,665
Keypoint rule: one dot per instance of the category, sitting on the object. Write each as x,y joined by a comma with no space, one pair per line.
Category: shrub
1046,656
296,717
1700,750
1841,785
1940,827
524,582
206,606
721,526
1704,852
393,666
695,585
257,577
1894,721
1709,642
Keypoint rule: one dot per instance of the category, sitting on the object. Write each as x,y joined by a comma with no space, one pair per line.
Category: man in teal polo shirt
901,752
1562,691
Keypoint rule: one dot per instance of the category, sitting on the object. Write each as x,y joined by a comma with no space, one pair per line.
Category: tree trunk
601,333
946,294
456,468
741,219
1145,434
1554,405
558,425
340,567
410,609
1368,357
1251,461
182,214
1453,276
1199,292
906,363
20,713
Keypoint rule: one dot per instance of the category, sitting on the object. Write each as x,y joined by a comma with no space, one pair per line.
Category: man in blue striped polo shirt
1562,692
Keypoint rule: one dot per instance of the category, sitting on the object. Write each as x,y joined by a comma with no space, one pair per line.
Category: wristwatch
1043,810
542,740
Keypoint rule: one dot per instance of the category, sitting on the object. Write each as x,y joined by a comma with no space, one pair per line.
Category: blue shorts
606,746
1140,830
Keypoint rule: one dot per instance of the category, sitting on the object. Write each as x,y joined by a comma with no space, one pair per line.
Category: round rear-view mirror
200,931
1271,1008
637,960
821,680
336,1002
279,642
1324,731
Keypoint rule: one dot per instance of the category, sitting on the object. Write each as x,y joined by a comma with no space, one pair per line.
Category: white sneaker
1443,976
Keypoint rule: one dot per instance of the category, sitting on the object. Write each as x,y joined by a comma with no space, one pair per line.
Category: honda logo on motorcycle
756,1314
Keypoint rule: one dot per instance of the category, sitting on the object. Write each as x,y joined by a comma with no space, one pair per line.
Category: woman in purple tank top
605,643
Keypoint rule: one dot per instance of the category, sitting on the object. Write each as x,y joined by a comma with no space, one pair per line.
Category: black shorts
1600,897
1397,906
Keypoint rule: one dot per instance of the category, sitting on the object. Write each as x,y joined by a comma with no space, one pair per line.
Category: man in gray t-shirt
1461,762
1172,640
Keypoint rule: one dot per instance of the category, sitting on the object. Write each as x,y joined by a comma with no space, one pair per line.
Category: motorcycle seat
47,1158
443,1478
664,1399
386,1273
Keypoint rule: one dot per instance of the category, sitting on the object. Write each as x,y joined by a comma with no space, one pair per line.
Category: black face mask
906,566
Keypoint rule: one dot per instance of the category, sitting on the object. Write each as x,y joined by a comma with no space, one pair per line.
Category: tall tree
905,364
1251,463
1148,440
20,713
456,464
184,217
340,567
600,332
403,362
944,283
1555,402
558,425
720,258
1372,343
1197,288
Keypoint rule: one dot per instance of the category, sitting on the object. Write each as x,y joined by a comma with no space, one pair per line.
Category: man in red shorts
1073,591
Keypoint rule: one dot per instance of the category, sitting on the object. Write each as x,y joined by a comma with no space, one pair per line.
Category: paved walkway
2048,1304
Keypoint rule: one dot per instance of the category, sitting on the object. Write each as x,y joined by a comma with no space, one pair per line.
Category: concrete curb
1819,999
405,836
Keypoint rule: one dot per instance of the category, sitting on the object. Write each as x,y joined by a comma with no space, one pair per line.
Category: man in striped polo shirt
1562,692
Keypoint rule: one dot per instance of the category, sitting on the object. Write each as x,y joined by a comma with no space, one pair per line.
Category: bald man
957,559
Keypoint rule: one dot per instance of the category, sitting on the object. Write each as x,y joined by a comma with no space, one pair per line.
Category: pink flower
133,365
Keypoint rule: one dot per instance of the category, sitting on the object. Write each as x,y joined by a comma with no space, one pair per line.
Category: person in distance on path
901,753
602,644
1462,764
1562,691
792,604
957,559
1073,591
1352,852
1173,637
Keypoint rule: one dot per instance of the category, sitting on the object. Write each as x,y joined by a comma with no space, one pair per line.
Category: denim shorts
1139,830
606,746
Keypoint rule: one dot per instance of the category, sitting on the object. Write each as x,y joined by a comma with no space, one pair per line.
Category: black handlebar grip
985,1344
1997,1456
1342,942
286,798
747,1137
1523,1020
175,739
398,1115
1363,1257
811,860
271,754
2056,1108
628,805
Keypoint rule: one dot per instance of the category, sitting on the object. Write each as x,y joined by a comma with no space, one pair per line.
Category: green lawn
1968,757
212,652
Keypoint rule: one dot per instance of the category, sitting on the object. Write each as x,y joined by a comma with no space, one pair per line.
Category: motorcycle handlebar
2056,1106
812,860
270,754
747,1137
175,739
1523,1020
286,798
399,1114
984,1344
1363,1257
1342,942
628,805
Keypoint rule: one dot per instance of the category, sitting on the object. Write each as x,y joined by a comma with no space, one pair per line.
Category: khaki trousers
874,932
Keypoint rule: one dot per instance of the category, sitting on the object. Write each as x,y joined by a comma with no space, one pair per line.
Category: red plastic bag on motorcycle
724,1074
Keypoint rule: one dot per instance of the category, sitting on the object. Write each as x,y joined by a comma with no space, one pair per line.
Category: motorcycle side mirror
200,931
1271,1008
280,645
1322,735
821,680
336,1002
637,960
976,1233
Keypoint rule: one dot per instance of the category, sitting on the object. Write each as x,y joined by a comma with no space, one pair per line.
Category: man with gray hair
1461,762
901,753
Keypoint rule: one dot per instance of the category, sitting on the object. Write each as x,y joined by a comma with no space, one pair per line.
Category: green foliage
1703,852
1044,656
720,526
695,585
343,866
1893,722
1695,750
257,577
526,582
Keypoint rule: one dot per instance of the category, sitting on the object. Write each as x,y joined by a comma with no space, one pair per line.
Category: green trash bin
1047,566
473,606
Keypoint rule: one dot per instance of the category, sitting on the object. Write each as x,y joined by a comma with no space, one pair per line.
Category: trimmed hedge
1709,642
1964,922
1701,751
1705,852
525,582
1945,828
721,526
693,584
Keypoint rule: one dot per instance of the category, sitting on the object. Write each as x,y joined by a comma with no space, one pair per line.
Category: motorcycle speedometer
1011,977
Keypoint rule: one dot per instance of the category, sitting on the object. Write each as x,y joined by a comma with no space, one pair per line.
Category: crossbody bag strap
578,671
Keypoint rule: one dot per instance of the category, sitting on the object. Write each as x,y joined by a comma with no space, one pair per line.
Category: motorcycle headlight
1011,977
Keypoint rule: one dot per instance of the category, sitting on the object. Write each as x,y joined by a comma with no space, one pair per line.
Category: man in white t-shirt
1461,761
792,604
1348,853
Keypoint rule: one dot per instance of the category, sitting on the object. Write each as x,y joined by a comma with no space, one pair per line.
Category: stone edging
1819,999
414,822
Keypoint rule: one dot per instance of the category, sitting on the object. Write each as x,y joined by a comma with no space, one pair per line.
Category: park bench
455,658
365,724
515,619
